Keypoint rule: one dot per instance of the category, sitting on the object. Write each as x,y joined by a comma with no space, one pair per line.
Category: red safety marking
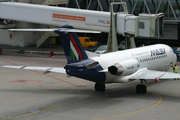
27,81
48,75
55,78
8,62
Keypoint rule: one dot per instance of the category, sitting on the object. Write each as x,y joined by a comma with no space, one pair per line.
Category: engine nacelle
126,67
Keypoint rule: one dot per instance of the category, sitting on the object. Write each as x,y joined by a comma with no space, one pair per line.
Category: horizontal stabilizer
53,29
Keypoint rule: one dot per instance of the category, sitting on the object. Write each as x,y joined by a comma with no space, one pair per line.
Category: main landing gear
99,87
140,88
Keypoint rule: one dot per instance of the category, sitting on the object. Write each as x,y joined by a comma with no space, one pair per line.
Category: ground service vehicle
88,42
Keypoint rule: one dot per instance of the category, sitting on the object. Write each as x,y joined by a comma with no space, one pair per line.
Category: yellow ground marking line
66,104
160,99
58,105
62,105
52,107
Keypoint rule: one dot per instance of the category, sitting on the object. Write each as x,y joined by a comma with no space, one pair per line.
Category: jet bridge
144,25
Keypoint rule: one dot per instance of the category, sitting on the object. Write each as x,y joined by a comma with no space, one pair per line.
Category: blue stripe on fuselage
79,70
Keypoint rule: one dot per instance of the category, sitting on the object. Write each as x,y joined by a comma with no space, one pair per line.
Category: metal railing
171,8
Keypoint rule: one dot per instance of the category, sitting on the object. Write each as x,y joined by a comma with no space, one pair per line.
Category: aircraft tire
97,87
138,89
143,89
102,87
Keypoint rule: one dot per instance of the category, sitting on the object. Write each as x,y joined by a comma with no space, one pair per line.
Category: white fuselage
155,57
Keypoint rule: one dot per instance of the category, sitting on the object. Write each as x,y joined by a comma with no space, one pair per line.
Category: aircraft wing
32,30
152,74
77,30
44,69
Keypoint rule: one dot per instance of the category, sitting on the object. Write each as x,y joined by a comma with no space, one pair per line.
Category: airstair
46,38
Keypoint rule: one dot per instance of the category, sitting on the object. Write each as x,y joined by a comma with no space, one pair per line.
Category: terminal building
170,8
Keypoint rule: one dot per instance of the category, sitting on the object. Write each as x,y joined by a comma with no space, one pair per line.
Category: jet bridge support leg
129,42
112,38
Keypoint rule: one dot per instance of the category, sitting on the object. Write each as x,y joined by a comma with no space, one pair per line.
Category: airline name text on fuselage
158,52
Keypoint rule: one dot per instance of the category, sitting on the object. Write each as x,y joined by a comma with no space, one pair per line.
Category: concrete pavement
31,95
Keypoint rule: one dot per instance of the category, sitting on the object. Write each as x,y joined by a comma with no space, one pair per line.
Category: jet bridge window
141,25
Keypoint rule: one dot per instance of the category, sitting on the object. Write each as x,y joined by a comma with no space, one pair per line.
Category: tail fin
71,44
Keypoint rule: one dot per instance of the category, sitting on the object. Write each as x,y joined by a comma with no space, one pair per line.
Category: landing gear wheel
141,89
102,87
138,89
99,87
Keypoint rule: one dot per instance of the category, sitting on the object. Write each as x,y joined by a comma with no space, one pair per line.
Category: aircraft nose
175,59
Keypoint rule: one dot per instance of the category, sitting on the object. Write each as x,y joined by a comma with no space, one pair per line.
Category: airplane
142,63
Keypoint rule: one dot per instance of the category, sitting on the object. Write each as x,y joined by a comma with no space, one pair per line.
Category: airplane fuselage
155,57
